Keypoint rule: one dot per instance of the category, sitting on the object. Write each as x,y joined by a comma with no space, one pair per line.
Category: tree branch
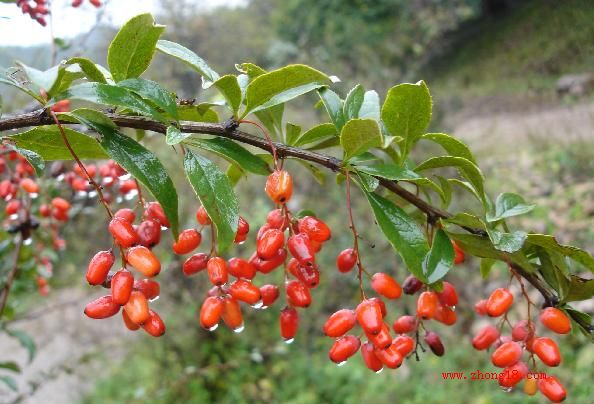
39,117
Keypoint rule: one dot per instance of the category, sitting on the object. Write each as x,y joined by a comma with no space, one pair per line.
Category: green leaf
34,159
47,142
486,266
232,152
86,115
353,102
368,182
467,220
196,113
468,170
401,231
106,94
25,340
10,382
89,68
584,318
10,365
358,136
131,51
446,188
153,92
508,205
229,88
318,174
453,146
370,109
407,113
580,289
216,195
482,247
143,165
549,243
250,69
234,174
317,133
508,242
388,171
9,80
333,105
282,85
41,79
175,136
272,119
185,55
292,132
440,258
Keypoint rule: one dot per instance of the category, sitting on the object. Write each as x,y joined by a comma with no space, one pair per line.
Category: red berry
390,356
149,233
154,325
499,302
61,204
404,344
448,296
154,211
427,305
551,388
371,360
99,267
241,268
149,288
369,316
434,342
404,324
121,286
458,254
346,260
300,247
144,261
126,214
231,315
385,285
267,266
344,348
382,339
137,307
102,307
339,323
187,241
123,232
132,326
480,307
269,295
277,220
512,375
270,242
279,186
298,294
522,330
411,285
217,271
315,229
485,337
195,264
245,291
243,227
289,323
210,312
29,186
547,350
12,207
202,217
308,275
555,320
445,315
507,354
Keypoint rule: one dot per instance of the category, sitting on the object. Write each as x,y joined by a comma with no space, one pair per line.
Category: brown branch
39,117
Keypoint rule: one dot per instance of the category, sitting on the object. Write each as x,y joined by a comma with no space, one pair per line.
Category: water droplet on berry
239,329
507,389
14,216
92,194
258,305
154,298
124,177
60,177
289,341
119,199
263,307
33,195
341,363
214,327
379,371
28,241
453,308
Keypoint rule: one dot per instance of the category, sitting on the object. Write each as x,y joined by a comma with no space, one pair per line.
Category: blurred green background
496,70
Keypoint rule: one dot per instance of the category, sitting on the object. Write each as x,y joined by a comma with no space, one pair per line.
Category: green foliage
359,135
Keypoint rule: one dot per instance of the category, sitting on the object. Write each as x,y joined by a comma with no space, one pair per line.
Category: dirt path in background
69,350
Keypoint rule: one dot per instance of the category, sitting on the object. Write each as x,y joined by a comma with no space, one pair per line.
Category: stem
355,235
141,200
272,147
81,165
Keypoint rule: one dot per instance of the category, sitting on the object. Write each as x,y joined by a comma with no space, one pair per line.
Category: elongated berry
269,294
231,314
99,267
187,241
382,339
404,324
343,348
137,307
551,388
289,323
300,247
385,285
315,229
154,325
339,323
369,316
404,344
149,288
123,232
445,315
512,375
267,266
530,386
346,260
448,296
121,286
390,356
144,261
61,204
29,186
547,350
243,227
153,210
308,275
522,330
126,214
485,337
427,305
202,217
277,220
371,360
434,342
217,271
211,311
480,307
132,326
507,354
195,264
269,243
411,285
298,294
458,254
102,307
245,291
499,302
279,186
241,268
555,320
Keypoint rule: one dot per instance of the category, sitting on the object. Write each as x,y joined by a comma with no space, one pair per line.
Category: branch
39,117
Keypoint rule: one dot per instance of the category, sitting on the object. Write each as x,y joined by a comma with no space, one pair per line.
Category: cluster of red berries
135,244
508,350
78,3
36,9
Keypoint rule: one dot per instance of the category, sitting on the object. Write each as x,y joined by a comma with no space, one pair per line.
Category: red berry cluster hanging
133,294
37,9
78,3
508,350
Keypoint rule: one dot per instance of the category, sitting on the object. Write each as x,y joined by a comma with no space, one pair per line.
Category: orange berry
512,375
132,326
269,243
485,337
530,386
289,323
499,302
137,307
217,271
29,186
346,260
187,241
343,348
315,229
241,268
149,288
458,254
121,286
369,316
279,186
154,325
123,232
202,217
390,356
245,291
99,267
144,261
382,339
555,320
339,323
404,344
385,285
427,305
232,314
211,311
552,389
507,354
404,324
102,307
126,214
547,350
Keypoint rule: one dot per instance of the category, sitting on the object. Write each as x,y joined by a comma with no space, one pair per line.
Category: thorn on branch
230,125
